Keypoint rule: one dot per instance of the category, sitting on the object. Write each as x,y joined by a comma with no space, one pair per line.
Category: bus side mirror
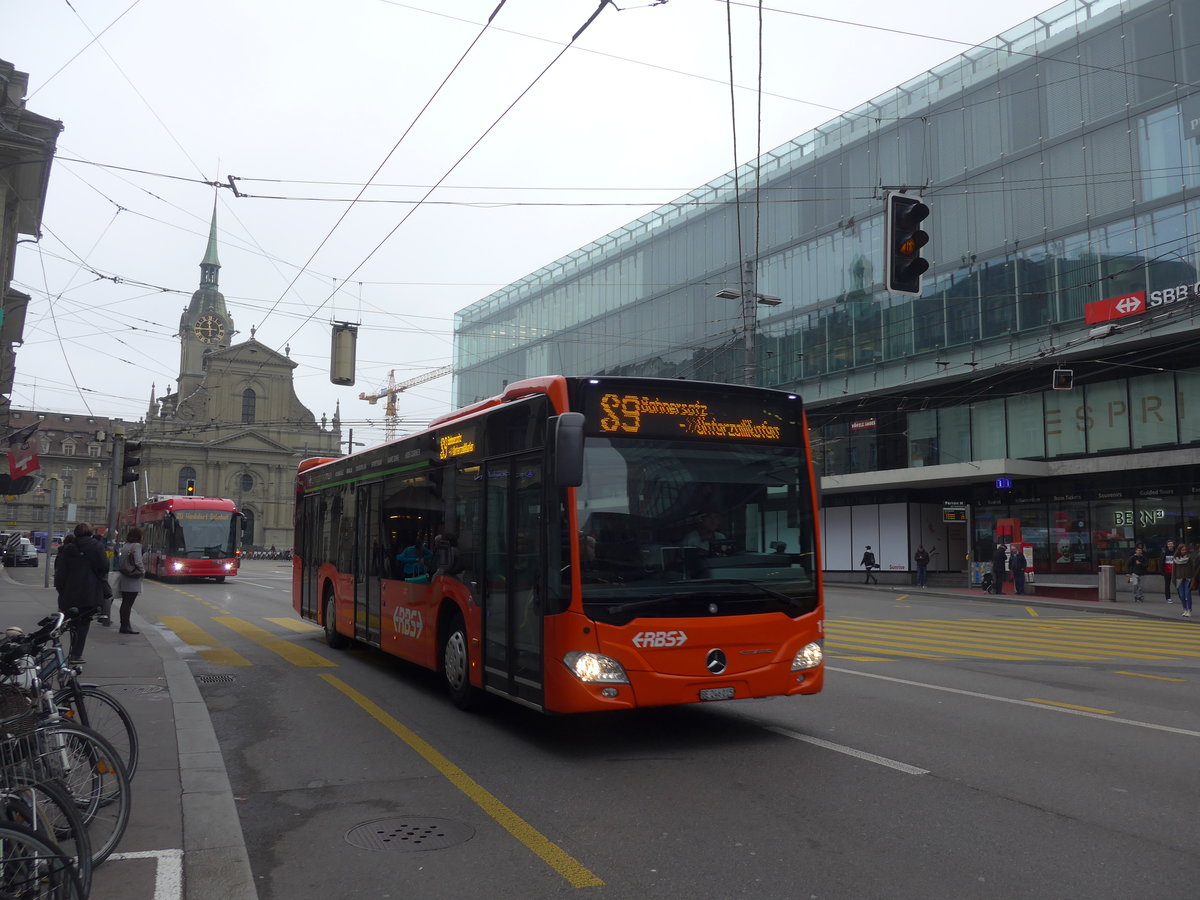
568,449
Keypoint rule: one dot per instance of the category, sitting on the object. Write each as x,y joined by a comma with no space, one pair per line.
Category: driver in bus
705,532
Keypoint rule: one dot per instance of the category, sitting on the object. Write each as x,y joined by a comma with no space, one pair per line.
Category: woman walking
129,583
1184,567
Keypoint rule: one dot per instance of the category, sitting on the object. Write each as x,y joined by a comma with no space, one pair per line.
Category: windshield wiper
702,595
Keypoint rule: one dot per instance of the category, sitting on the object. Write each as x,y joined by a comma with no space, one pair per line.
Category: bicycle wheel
32,868
92,772
94,708
46,809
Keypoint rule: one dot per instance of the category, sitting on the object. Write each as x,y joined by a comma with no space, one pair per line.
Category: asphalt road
960,749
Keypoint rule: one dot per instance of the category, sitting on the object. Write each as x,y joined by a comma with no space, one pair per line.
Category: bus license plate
721,693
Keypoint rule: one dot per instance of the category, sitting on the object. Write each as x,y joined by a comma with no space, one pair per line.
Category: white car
21,554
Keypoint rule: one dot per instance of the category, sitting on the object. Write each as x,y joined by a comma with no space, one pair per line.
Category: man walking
1138,566
868,563
998,559
921,558
1168,567
1018,563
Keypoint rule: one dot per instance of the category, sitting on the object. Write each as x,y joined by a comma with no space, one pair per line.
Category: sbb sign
1137,302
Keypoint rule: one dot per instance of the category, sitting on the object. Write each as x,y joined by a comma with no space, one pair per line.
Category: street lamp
751,301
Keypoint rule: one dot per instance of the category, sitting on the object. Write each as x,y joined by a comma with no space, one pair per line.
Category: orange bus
578,544
187,537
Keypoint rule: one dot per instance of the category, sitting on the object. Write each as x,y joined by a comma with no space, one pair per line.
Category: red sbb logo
1115,308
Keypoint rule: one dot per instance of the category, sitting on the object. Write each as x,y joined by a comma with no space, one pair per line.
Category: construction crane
391,389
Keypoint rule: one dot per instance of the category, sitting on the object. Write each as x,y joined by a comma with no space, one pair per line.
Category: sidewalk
184,840
1153,608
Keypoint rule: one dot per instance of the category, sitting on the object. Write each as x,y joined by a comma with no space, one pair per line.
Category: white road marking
168,874
1186,732
849,751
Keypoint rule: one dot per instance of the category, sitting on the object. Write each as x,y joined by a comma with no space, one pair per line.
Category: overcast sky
302,102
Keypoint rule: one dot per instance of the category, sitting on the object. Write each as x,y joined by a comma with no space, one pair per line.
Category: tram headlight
595,668
809,657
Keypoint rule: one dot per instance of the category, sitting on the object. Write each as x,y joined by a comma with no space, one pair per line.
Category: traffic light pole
114,491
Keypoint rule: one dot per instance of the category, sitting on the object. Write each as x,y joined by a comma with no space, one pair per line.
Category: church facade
232,426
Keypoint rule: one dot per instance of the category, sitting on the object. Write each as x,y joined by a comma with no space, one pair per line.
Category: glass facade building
1061,162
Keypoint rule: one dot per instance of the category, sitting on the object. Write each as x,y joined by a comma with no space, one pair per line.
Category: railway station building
1044,388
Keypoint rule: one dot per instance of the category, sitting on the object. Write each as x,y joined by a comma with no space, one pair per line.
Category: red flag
22,460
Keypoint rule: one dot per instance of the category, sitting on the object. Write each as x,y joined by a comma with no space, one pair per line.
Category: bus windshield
202,534
693,528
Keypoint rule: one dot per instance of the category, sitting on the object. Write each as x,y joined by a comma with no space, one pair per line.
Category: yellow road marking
1100,712
293,653
553,855
1155,677
902,597
1033,612
862,658
206,645
171,587
297,625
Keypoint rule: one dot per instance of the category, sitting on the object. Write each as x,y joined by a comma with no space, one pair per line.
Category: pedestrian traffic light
129,462
190,490
903,242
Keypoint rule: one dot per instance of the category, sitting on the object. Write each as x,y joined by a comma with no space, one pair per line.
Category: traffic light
904,240
190,488
129,462
1063,380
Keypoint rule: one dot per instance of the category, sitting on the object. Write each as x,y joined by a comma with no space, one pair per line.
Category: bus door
513,581
313,520
367,564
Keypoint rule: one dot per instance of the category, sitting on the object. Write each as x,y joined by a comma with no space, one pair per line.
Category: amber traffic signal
904,240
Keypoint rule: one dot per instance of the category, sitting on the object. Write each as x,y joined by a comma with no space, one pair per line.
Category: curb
216,864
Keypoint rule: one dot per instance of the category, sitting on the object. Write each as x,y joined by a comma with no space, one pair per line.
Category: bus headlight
593,668
177,566
809,657
228,567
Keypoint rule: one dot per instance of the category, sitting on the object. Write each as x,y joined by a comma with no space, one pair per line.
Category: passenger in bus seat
415,558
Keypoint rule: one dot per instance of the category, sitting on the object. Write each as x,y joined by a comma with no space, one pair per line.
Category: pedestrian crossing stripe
1013,639
205,645
292,652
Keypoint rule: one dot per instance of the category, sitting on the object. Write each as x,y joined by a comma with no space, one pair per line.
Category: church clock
209,329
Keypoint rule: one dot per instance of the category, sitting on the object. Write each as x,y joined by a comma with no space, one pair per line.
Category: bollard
1108,584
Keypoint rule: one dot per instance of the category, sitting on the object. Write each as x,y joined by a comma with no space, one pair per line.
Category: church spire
210,266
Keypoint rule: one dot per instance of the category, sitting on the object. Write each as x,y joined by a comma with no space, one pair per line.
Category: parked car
23,553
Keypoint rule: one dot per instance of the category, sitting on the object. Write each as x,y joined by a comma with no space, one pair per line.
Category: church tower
205,325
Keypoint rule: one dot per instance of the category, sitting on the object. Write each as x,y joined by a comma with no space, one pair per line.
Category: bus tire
219,579
332,637
456,664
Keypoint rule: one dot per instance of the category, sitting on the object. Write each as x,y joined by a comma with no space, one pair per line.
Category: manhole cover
409,834
216,679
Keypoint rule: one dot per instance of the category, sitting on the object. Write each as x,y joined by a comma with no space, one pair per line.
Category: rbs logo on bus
408,622
659,639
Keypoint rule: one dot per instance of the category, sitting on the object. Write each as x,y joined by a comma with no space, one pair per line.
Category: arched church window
249,400
185,474
247,482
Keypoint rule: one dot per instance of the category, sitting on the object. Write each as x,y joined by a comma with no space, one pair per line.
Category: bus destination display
704,416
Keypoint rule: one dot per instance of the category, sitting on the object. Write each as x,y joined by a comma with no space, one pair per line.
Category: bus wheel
332,638
456,664
219,579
